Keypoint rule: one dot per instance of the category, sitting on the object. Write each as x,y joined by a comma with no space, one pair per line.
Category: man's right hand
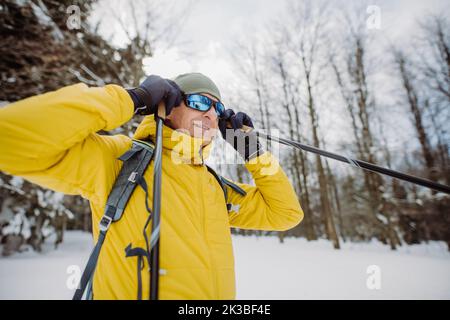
151,92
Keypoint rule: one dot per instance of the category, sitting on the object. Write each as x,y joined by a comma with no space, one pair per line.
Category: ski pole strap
144,187
140,253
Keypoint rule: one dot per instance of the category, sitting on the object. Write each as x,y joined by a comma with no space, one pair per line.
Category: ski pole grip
161,110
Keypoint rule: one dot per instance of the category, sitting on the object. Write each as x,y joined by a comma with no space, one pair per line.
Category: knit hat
195,82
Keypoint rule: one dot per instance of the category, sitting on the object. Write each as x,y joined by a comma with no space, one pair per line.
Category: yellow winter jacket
51,140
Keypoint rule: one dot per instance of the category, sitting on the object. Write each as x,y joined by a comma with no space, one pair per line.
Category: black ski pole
156,219
359,163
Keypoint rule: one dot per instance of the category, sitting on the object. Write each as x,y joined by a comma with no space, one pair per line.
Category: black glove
149,94
245,143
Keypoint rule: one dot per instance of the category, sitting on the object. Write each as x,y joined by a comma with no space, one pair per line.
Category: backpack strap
224,183
234,186
135,161
219,180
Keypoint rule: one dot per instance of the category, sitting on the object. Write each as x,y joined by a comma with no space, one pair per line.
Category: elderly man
51,140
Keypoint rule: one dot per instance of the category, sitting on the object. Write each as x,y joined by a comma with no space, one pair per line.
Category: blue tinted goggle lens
202,103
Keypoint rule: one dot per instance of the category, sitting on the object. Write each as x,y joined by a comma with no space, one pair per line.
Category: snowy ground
265,269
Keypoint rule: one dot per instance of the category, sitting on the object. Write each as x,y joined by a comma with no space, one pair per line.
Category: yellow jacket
51,140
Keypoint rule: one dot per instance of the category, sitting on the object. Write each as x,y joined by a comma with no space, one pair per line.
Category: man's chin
207,136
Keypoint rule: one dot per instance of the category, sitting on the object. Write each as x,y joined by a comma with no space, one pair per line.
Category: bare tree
351,73
434,68
308,45
290,102
435,58
252,68
333,191
146,24
416,105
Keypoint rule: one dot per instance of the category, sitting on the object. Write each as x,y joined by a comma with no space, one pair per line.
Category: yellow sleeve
271,205
51,139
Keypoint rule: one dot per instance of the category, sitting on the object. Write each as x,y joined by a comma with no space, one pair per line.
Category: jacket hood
183,147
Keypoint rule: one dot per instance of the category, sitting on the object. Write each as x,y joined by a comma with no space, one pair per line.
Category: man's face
196,123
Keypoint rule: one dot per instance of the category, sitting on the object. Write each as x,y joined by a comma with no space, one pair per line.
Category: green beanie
195,82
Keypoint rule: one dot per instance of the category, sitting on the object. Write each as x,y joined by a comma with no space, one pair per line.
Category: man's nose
211,114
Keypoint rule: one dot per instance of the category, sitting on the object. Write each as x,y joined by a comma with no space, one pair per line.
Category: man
51,140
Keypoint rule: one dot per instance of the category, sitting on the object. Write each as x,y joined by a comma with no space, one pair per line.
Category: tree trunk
324,197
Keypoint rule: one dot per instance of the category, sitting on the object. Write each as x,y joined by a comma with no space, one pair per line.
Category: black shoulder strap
234,186
135,161
224,183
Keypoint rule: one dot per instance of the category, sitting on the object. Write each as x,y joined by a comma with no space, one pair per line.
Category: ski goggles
202,103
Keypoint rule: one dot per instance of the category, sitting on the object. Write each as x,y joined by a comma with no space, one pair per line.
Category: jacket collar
181,146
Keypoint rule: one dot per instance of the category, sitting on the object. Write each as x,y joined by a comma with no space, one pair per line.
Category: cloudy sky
211,28
214,25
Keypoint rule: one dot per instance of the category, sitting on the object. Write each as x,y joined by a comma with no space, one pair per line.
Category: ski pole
358,163
156,219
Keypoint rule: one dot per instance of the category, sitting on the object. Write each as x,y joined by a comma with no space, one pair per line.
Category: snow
301,270
41,13
265,269
18,225
31,275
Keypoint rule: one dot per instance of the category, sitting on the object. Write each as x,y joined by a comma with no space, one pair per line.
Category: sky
211,27
205,38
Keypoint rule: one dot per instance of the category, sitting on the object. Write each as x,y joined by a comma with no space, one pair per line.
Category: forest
318,74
